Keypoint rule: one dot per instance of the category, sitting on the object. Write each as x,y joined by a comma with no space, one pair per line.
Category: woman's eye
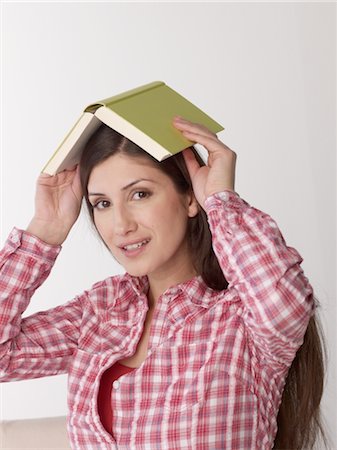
140,195
102,204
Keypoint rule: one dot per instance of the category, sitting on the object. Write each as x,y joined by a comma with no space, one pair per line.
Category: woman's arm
265,272
43,343
251,251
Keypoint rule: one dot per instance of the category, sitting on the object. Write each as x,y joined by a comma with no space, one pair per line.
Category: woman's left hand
219,173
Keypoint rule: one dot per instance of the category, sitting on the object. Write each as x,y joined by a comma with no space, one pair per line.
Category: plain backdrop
266,71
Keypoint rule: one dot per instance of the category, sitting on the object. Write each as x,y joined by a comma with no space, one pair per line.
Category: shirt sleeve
43,343
277,297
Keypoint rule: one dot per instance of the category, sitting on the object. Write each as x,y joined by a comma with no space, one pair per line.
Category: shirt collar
195,290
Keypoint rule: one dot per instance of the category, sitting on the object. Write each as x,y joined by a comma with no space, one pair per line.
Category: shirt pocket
188,371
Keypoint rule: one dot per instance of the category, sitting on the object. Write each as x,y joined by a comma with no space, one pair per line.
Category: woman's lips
135,248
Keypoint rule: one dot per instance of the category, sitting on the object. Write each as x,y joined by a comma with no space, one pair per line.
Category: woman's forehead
120,170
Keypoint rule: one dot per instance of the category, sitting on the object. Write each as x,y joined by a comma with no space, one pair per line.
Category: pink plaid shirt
216,362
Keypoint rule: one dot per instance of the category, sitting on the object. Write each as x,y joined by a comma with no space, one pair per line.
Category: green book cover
144,115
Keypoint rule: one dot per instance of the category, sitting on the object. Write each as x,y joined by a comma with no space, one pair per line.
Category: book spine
116,98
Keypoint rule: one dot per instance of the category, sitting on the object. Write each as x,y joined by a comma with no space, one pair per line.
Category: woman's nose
123,221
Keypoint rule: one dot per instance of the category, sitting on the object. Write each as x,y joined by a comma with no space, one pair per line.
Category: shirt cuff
229,198
23,241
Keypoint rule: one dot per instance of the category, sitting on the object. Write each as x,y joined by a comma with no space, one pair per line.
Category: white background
266,71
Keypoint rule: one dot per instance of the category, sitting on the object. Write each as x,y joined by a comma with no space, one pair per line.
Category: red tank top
104,393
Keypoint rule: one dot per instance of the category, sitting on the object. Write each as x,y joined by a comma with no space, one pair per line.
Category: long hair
299,422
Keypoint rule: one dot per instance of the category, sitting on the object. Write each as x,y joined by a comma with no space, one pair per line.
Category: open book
144,115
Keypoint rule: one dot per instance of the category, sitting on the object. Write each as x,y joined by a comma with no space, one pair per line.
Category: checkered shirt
216,362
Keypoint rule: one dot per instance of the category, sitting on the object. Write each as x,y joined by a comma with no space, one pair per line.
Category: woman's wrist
50,233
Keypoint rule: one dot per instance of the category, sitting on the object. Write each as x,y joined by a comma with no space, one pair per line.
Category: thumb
191,162
77,187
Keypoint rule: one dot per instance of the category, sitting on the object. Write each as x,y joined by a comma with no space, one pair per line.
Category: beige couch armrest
46,433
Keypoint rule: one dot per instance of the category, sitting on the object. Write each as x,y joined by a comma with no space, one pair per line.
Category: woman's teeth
135,246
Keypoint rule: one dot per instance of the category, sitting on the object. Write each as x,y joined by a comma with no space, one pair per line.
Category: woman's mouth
134,248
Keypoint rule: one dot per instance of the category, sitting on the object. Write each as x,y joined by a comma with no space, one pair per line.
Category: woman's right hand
58,201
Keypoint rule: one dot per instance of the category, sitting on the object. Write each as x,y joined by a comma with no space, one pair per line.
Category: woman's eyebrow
92,194
135,182
95,194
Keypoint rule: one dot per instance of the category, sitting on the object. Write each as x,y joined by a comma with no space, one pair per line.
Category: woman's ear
193,205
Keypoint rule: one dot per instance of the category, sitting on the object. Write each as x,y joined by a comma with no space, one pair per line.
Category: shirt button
116,384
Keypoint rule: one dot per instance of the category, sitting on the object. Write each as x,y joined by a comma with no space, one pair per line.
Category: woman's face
140,216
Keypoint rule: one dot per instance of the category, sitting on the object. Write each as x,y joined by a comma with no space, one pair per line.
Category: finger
196,135
59,179
191,162
212,145
44,176
183,124
76,183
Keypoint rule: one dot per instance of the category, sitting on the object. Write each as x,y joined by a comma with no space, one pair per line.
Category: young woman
199,345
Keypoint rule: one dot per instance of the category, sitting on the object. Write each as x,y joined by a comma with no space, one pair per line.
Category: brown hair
299,422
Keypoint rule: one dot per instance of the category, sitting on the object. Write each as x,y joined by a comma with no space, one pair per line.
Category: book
144,115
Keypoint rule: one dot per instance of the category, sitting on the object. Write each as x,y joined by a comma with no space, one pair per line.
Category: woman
191,347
